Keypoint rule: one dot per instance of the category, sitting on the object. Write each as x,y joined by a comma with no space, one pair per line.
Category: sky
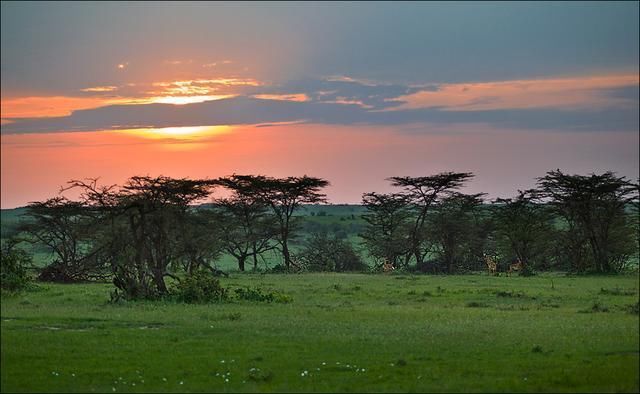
351,92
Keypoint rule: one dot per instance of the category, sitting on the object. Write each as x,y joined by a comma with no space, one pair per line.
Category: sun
181,100
182,134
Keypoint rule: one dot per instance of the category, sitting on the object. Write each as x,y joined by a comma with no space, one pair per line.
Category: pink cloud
569,93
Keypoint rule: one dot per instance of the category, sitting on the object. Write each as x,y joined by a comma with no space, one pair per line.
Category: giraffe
492,265
518,266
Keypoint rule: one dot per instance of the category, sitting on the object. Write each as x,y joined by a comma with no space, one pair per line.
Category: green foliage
200,287
453,230
524,229
593,209
329,253
13,268
257,294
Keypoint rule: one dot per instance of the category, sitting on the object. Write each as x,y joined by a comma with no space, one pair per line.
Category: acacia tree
524,228
247,228
65,228
452,227
199,241
388,220
143,218
422,193
594,207
283,196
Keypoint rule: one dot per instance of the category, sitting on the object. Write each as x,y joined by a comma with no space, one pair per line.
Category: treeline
148,229
569,222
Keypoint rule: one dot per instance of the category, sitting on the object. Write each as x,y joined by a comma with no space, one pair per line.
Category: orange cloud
34,107
173,92
570,93
99,89
299,97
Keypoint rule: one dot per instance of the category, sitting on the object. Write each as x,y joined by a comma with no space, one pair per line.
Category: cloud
344,90
604,102
284,97
36,106
99,89
566,93
246,110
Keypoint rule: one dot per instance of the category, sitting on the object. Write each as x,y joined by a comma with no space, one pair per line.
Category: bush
13,268
200,287
55,272
260,296
324,253
527,270
280,269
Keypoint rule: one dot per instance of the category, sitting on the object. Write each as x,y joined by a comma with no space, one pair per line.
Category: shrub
260,296
13,268
527,270
55,272
200,287
324,253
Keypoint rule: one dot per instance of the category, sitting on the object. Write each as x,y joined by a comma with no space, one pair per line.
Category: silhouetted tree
65,228
248,229
283,196
452,228
422,193
594,210
388,222
524,229
144,218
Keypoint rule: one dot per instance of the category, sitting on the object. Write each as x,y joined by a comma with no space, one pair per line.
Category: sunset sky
351,92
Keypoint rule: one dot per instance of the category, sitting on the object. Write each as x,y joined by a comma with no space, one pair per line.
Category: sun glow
178,134
181,100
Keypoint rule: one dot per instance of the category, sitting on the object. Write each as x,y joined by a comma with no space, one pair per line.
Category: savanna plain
332,332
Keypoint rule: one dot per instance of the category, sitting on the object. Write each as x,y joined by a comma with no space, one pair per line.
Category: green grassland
341,333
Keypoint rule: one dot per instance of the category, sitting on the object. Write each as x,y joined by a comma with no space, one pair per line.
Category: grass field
342,332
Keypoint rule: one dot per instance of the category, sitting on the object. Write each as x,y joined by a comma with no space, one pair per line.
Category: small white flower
226,380
323,363
221,361
164,379
113,389
73,374
133,384
363,370
181,382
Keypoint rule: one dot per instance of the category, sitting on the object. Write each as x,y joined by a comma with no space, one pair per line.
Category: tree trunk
255,258
241,261
158,280
285,253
